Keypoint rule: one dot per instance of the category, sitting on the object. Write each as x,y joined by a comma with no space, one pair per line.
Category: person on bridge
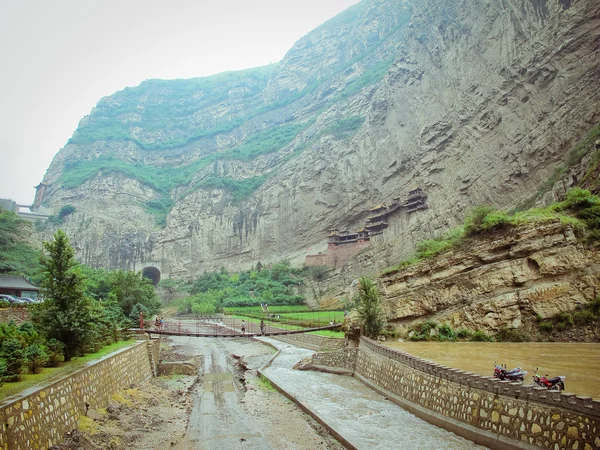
262,327
243,326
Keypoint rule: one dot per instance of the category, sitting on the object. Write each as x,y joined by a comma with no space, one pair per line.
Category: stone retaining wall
510,413
38,417
341,361
312,341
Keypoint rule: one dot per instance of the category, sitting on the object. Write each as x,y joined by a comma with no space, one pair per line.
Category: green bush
65,211
561,326
35,358
12,352
583,317
480,336
474,222
55,351
546,325
463,333
3,370
511,335
422,331
4,303
446,333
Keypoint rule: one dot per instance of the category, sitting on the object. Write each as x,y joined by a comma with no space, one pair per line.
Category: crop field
272,309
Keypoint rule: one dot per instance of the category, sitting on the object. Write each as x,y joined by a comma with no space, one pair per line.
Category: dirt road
233,409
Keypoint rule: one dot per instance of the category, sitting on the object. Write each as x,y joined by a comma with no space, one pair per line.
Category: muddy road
233,409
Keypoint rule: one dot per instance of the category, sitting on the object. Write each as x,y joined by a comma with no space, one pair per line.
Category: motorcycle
552,384
516,374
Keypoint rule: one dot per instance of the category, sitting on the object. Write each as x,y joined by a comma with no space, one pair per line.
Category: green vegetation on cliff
580,210
17,255
165,109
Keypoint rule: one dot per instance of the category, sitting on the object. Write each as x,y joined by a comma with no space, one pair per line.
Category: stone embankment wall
494,413
38,417
341,361
312,341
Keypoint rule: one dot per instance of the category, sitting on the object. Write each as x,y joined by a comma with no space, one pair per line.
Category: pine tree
369,311
65,314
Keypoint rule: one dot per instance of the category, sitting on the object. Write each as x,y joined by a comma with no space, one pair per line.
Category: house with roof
18,286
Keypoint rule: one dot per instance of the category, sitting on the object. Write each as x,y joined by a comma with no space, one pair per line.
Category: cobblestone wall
312,341
509,411
38,417
341,361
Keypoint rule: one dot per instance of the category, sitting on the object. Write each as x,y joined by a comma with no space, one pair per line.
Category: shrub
475,218
579,198
583,317
446,333
463,333
3,370
54,349
4,303
565,318
480,336
318,272
561,326
35,358
65,211
422,331
12,352
546,325
511,335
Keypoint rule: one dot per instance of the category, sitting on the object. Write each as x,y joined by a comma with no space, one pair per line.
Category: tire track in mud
217,421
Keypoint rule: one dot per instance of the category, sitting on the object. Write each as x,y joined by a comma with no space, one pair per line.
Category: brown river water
580,363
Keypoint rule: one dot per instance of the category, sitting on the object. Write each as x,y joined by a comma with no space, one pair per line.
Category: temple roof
16,282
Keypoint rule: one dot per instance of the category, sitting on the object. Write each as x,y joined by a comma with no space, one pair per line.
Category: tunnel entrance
152,273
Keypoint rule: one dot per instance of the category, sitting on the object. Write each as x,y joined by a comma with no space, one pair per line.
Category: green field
319,316
284,326
272,309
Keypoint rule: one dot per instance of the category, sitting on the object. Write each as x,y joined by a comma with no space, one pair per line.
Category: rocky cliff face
475,102
495,282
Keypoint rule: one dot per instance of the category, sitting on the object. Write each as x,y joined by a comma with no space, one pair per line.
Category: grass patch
272,309
30,380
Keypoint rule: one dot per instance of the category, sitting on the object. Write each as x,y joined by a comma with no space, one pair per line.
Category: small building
18,286
416,200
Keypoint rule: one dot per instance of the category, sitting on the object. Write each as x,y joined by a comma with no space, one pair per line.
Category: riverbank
579,362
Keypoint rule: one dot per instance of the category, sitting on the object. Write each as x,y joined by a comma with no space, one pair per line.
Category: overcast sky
59,57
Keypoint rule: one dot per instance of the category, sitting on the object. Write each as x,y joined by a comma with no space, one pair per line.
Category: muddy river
580,363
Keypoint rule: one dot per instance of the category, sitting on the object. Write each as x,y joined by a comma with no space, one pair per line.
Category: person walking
243,326
262,327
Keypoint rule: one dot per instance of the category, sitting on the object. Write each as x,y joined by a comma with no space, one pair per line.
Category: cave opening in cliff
153,273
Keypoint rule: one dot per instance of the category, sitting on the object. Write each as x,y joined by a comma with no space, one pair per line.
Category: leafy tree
65,315
368,307
35,357
131,289
169,287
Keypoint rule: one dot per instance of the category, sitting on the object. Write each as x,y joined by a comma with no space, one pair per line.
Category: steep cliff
475,102
498,281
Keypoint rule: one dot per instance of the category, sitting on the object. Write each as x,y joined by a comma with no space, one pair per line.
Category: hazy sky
59,57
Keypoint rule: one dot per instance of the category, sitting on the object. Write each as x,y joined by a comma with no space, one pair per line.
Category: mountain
474,102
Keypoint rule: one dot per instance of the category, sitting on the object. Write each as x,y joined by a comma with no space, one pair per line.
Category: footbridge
229,328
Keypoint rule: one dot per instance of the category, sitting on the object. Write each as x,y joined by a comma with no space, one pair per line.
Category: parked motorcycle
552,384
516,374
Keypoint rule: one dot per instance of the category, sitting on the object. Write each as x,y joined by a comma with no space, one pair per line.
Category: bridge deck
221,331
